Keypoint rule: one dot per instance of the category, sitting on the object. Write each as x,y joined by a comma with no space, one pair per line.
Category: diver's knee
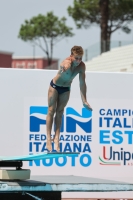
59,112
51,111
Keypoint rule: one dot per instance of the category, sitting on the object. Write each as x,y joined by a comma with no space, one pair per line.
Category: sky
13,13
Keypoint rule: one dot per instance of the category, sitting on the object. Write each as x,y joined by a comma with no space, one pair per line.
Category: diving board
17,161
37,156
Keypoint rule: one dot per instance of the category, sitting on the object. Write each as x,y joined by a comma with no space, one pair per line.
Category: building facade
5,59
33,63
9,61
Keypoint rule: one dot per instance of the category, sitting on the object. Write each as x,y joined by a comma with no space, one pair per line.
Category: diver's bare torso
65,78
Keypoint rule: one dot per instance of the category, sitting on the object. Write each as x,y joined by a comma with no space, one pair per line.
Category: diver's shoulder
82,65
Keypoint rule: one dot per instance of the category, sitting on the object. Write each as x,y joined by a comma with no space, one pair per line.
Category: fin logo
37,114
73,118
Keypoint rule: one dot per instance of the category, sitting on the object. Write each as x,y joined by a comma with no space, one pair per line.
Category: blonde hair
77,50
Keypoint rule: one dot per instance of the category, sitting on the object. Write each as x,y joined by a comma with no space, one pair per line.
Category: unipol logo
72,119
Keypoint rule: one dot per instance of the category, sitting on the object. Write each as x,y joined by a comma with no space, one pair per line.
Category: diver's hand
66,64
87,106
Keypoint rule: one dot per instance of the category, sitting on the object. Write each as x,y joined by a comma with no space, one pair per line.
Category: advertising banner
103,137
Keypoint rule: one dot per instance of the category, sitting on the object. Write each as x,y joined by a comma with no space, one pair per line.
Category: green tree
45,32
110,15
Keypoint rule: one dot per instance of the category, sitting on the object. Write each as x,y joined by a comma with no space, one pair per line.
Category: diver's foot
49,145
57,144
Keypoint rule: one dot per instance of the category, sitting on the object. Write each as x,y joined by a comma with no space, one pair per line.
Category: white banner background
21,89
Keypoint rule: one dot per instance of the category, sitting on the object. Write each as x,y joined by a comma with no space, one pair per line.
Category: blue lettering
125,124
73,160
44,147
30,146
127,156
76,137
117,112
43,137
37,144
82,137
63,162
102,111
114,155
124,111
67,148
67,137
121,153
117,123
37,163
37,137
108,119
100,122
87,148
129,133
89,138
31,136
104,134
47,162
61,138
109,112
85,156
117,134
77,147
